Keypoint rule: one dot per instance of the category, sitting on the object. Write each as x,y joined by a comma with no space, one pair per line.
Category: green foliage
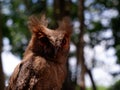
116,86
15,23
98,88
116,30
108,3
90,88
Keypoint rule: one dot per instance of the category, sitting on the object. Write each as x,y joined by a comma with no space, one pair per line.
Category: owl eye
44,39
40,35
64,41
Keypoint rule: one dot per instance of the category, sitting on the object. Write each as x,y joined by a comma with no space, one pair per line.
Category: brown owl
44,64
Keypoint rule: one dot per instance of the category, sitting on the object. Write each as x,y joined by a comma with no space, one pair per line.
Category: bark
2,86
91,78
61,8
80,49
80,45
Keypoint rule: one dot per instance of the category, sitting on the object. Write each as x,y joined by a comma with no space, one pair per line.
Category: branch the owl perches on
44,63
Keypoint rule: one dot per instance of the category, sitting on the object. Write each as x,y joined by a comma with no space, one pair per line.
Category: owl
44,63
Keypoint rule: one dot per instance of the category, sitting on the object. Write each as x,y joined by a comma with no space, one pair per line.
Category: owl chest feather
39,74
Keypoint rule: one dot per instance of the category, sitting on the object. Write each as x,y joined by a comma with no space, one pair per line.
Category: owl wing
26,74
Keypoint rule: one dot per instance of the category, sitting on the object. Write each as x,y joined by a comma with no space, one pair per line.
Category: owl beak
56,43
53,37
56,50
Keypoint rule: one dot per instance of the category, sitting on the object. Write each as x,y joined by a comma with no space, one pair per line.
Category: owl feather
44,63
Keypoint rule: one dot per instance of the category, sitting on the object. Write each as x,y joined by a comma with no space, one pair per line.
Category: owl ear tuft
36,23
65,25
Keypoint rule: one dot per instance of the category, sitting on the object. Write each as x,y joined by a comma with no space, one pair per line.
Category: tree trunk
2,86
80,45
91,78
57,9
80,49
61,8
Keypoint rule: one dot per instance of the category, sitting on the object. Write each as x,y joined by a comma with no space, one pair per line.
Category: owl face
46,42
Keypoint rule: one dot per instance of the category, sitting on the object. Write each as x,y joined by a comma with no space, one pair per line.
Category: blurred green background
95,41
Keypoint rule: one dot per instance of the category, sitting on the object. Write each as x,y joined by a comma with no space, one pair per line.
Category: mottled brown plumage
44,64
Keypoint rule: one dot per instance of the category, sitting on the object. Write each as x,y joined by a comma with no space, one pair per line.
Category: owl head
46,42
